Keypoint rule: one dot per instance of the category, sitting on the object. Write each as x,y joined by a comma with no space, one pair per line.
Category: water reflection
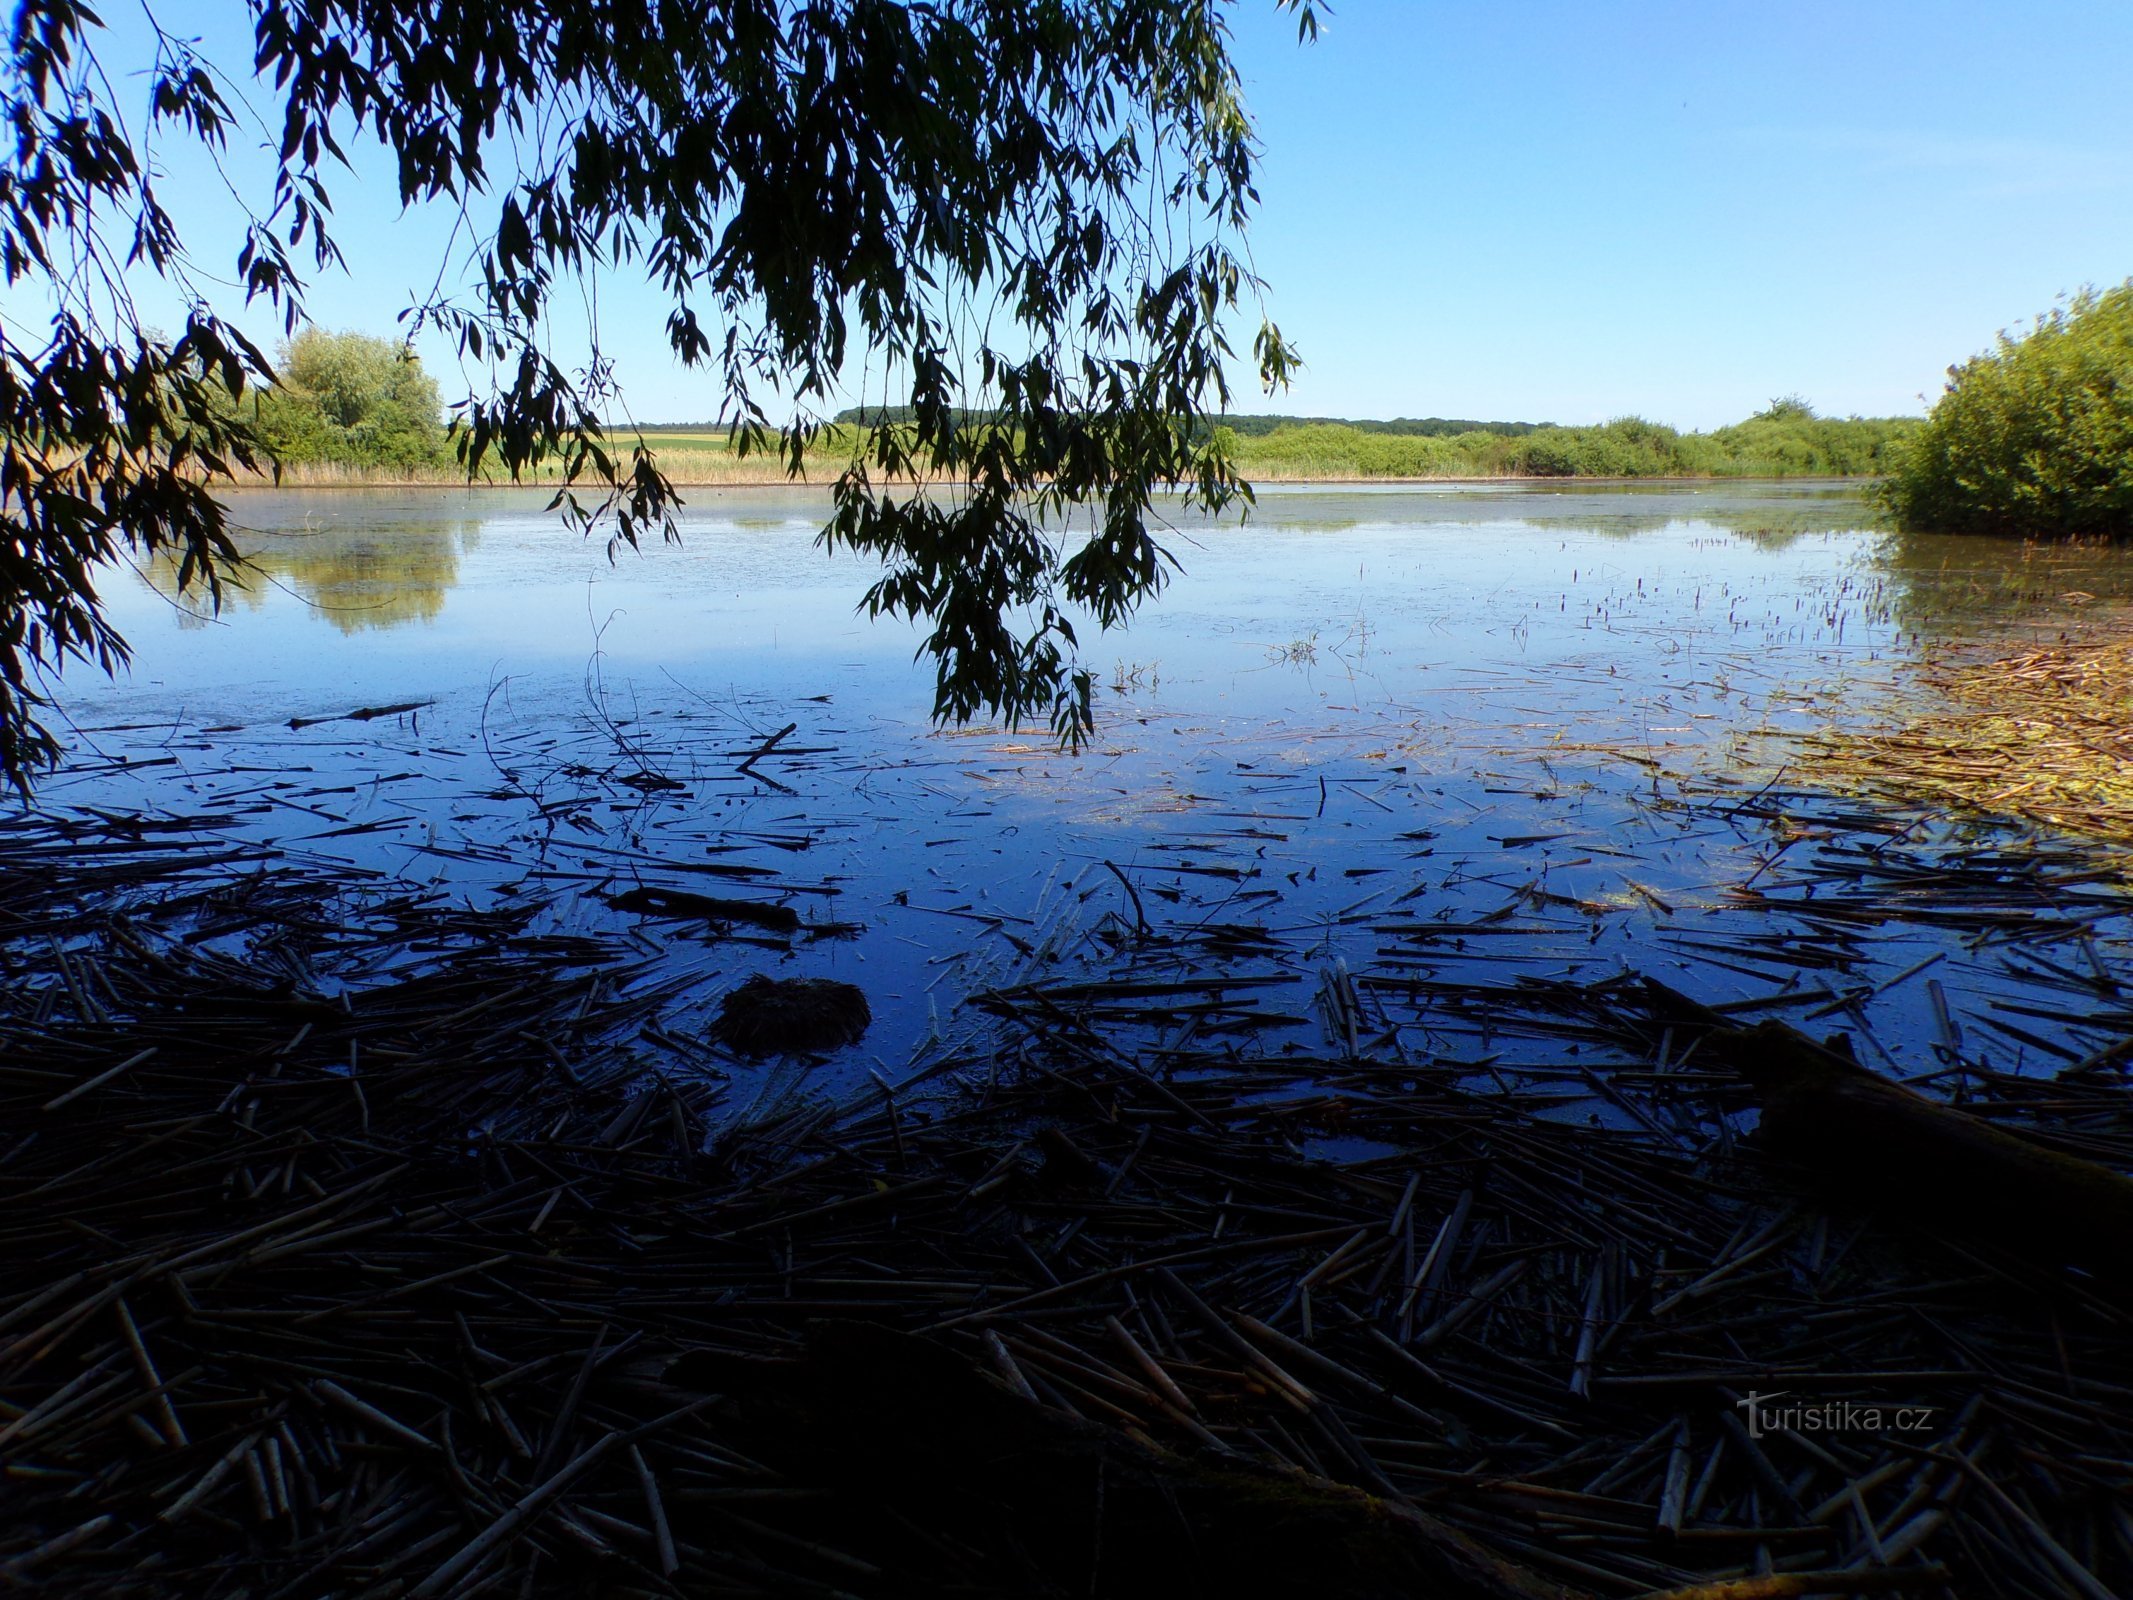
1767,515
371,562
1950,585
749,574
1768,521
368,576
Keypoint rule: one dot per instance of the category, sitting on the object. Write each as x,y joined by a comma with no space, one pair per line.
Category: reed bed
360,1244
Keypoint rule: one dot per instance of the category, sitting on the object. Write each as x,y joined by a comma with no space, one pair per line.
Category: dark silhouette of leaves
1017,221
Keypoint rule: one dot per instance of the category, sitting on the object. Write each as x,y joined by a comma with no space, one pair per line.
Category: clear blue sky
1541,209
1568,211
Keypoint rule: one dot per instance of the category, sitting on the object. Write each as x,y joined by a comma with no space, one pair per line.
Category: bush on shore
2033,437
348,399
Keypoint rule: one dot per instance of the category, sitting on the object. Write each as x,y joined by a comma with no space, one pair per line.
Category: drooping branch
1025,217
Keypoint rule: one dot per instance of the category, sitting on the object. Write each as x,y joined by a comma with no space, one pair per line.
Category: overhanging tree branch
1027,214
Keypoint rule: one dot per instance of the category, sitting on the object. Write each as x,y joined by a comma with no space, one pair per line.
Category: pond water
1438,739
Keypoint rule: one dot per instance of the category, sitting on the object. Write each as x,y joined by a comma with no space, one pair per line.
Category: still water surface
1362,709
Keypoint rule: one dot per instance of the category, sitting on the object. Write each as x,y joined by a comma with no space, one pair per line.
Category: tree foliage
2034,437
352,400
1020,218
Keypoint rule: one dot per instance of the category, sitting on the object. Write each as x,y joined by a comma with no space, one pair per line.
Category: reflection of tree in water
360,578
1948,587
1767,527
1767,516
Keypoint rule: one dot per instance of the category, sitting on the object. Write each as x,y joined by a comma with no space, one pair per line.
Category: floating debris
791,1016
363,1244
680,904
2045,734
364,714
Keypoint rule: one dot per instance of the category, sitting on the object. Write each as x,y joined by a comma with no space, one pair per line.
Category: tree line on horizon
355,400
1788,438
1785,439
2034,435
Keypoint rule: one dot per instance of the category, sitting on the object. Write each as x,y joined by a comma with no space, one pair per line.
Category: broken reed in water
335,1268
2046,735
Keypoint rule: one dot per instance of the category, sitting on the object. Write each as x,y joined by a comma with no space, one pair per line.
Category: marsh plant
1129,677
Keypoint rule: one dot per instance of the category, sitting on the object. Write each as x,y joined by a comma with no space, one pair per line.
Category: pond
1375,753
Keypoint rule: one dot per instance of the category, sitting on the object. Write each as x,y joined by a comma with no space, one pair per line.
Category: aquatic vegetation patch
791,1016
2046,735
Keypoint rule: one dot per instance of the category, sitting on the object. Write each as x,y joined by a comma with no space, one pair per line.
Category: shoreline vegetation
2028,438
350,411
1786,439
1300,451
2034,436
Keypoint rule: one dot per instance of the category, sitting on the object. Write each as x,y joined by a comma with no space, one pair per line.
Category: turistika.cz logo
1767,1414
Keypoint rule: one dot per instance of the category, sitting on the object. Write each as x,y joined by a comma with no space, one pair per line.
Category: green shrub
1336,449
2033,437
1627,447
351,400
1787,439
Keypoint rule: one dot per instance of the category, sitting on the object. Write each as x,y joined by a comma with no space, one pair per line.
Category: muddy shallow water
1436,738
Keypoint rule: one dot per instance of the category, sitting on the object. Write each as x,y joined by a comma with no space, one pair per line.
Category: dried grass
2045,735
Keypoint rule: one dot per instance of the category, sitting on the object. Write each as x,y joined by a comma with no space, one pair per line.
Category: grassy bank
688,463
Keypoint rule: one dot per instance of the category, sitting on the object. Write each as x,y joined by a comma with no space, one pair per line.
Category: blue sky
1545,210
1572,211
